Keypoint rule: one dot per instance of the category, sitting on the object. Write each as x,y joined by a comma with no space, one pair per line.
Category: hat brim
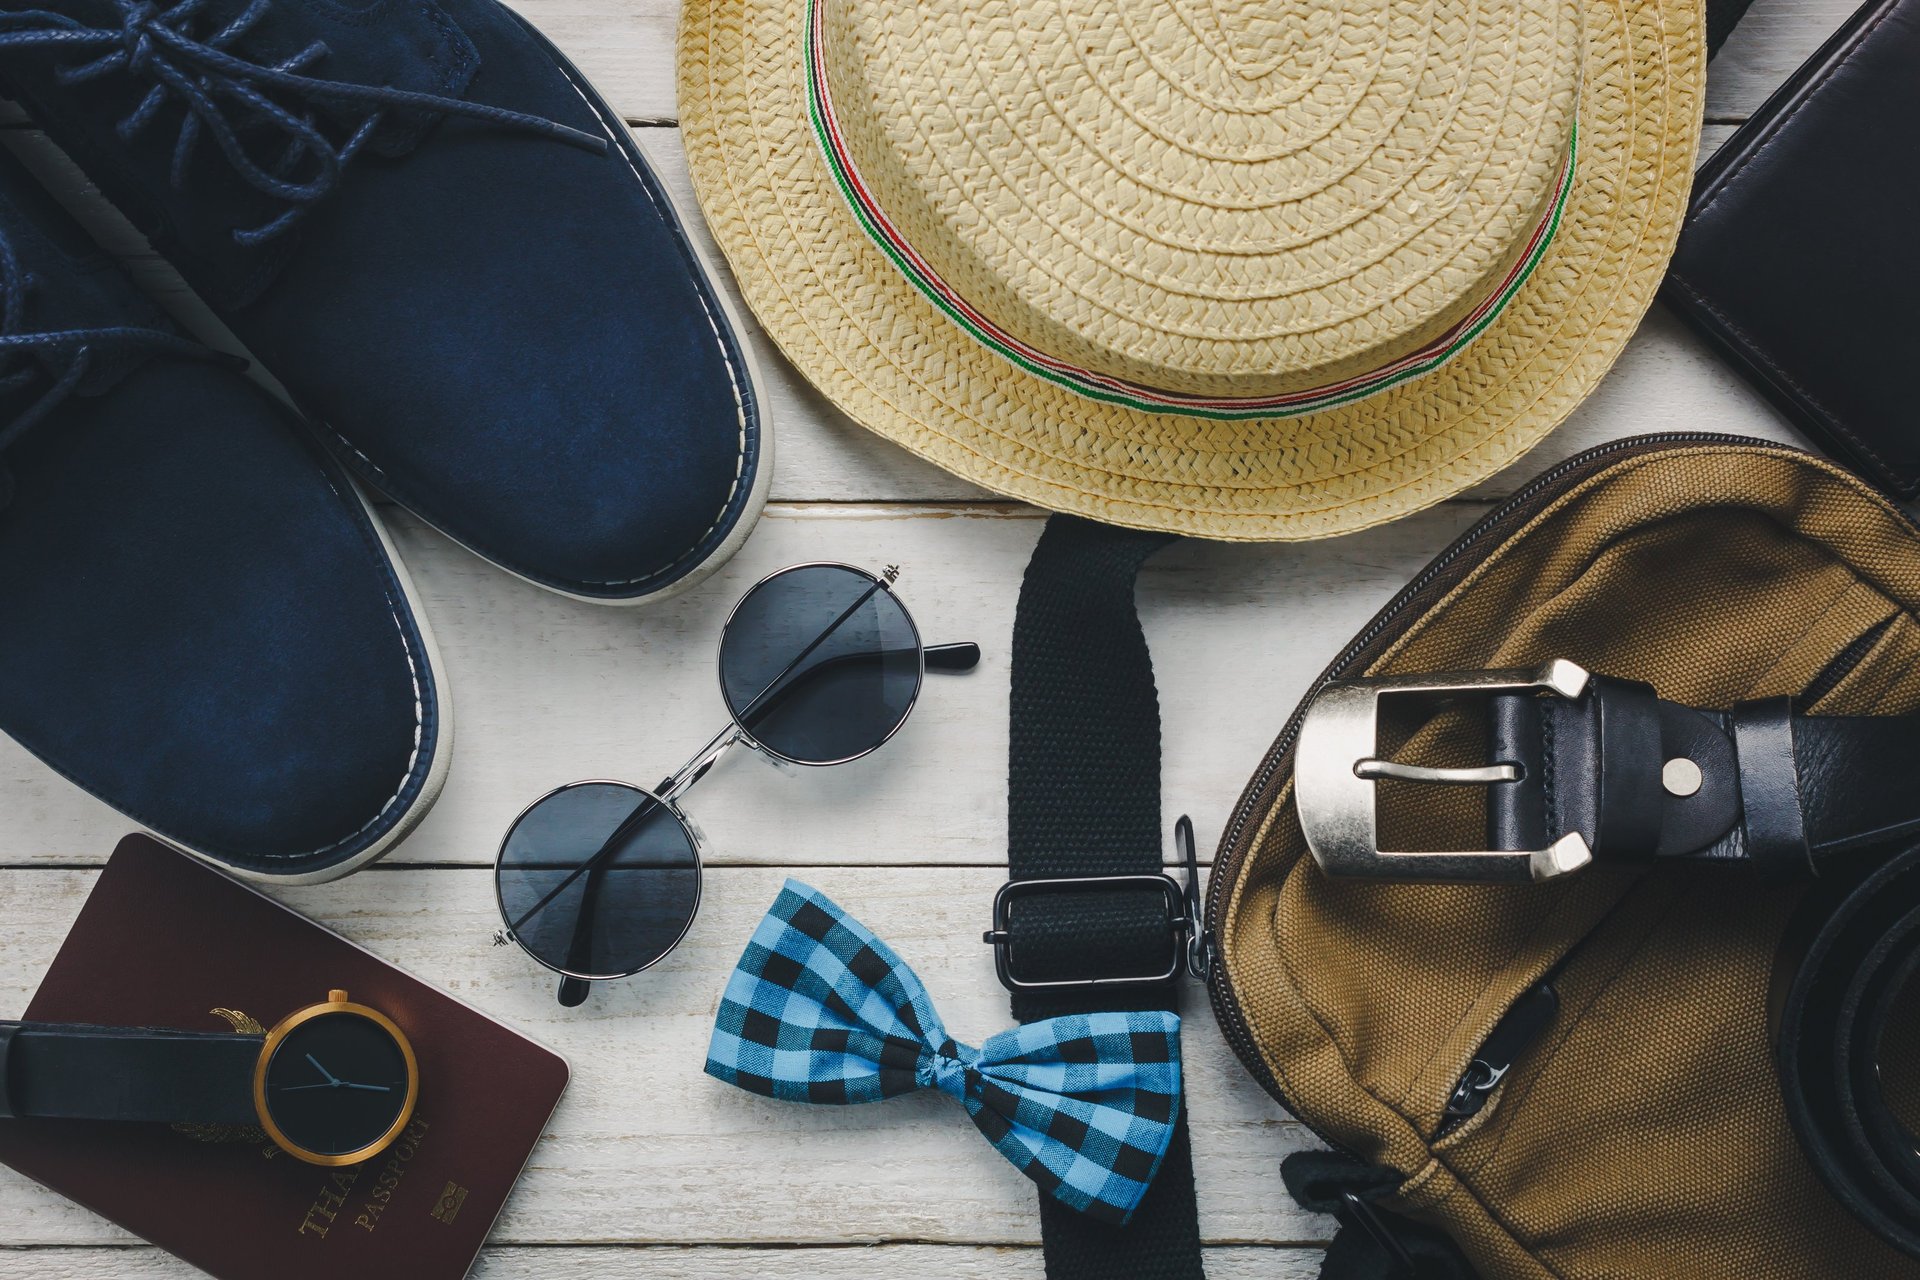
876,347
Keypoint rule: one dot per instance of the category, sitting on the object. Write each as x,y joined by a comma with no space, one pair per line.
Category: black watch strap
1083,801
74,1071
1642,778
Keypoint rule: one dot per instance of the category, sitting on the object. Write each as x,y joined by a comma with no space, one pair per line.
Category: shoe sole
436,779
106,224
749,514
618,132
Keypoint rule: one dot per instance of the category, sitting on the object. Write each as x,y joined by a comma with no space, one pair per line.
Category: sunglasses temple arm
573,991
752,707
942,659
953,658
688,774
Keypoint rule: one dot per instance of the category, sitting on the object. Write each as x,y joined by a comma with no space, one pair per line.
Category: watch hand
376,1088
331,1078
295,1088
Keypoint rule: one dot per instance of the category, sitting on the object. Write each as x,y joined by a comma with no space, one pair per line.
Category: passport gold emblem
447,1207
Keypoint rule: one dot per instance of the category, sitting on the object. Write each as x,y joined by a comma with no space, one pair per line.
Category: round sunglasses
820,664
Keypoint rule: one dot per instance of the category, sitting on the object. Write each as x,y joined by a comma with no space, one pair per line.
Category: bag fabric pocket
1641,1133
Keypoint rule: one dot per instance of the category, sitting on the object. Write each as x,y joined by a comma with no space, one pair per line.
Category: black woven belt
1087,921
1585,769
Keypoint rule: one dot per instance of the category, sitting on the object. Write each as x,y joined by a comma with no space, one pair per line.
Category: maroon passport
165,941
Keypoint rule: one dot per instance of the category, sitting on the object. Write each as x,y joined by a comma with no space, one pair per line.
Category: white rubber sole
763,475
442,744
110,228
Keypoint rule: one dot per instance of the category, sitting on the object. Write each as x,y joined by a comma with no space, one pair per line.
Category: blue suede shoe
200,623
437,236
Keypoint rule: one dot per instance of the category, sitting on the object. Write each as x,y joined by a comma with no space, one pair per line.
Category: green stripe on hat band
1107,390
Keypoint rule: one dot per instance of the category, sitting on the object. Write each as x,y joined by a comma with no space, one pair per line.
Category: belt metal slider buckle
1183,921
1336,765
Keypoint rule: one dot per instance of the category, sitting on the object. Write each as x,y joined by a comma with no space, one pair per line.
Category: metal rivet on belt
1680,776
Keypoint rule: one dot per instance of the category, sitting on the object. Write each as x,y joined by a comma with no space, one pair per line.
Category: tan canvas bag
1641,1132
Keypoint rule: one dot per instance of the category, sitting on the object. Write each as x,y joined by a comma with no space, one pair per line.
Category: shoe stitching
414,664
372,538
408,778
614,131
99,264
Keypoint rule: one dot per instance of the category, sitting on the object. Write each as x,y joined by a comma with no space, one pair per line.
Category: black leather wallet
1800,260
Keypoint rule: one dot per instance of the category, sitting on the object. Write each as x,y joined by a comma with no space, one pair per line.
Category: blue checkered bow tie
820,1010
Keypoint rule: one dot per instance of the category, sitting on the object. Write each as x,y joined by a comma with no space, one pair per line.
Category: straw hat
1243,269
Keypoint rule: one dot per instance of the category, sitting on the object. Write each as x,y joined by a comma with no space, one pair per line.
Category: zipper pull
1518,1028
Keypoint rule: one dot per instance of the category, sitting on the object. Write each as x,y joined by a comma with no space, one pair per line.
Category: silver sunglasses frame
736,732
695,841
667,794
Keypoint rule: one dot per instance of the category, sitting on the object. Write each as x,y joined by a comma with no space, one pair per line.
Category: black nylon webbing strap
1083,799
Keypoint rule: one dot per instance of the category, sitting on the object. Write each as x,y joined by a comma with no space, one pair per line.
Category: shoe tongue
400,44
107,363
70,284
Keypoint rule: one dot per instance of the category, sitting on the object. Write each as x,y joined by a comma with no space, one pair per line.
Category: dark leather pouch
1800,261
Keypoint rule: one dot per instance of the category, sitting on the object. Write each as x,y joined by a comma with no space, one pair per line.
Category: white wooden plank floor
650,1168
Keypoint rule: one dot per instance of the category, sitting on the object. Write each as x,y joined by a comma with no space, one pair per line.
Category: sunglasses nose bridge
677,784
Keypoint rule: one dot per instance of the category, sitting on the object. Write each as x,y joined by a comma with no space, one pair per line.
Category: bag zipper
1535,1009
1385,626
1532,1013
1843,663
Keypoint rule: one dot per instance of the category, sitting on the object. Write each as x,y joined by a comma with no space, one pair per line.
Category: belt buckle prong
1336,764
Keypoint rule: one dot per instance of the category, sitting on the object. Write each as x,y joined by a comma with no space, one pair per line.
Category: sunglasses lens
820,663
617,915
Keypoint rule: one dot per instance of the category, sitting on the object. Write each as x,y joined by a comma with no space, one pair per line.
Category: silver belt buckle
1336,764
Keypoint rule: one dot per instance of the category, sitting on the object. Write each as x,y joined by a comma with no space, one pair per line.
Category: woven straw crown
1227,199
1248,269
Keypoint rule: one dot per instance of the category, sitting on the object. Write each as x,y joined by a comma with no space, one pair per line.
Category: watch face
337,1083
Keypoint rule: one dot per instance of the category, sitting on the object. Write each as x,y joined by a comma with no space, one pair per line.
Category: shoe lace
227,98
56,360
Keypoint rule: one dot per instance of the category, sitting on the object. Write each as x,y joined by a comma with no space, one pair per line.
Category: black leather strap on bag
1842,1006
1761,786
1083,800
